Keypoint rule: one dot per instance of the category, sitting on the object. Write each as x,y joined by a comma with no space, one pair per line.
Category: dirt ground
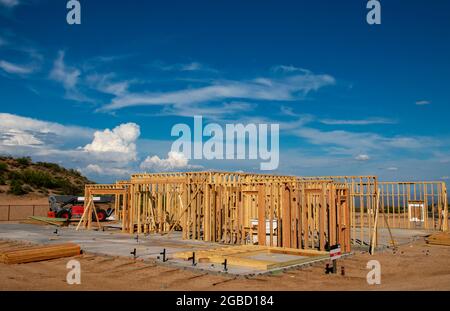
417,266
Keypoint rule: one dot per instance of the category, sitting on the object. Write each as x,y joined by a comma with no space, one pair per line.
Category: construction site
229,231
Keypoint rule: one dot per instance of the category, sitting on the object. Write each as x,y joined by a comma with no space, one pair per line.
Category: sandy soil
413,267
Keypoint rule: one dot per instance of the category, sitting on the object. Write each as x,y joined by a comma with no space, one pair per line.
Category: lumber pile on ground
47,221
255,256
439,239
39,253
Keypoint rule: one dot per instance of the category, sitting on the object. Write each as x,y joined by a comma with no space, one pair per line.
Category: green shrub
14,175
3,167
51,166
39,179
75,172
2,180
24,161
16,188
67,187
27,189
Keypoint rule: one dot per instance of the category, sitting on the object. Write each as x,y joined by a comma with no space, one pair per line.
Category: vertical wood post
286,216
261,215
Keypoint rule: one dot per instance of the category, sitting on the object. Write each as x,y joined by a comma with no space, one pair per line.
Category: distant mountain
20,176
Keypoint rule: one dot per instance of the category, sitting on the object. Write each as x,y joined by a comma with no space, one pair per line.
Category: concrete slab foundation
148,247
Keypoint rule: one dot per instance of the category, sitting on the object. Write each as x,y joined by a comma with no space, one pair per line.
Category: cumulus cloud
119,142
22,131
174,161
104,170
362,157
14,137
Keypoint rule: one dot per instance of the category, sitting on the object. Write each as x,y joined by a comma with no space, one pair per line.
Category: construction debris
39,253
258,257
439,239
51,221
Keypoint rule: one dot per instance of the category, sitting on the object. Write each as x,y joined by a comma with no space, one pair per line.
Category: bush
27,189
25,161
75,173
3,167
16,188
67,187
14,175
43,191
39,179
51,166
2,180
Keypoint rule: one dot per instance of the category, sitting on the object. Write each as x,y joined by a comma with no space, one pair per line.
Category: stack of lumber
39,253
46,221
439,239
256,256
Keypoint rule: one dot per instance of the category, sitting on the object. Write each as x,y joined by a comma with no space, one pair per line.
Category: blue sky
350,98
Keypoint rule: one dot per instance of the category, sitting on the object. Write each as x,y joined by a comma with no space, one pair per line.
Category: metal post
335,266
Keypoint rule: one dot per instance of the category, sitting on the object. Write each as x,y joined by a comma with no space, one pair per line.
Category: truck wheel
101,214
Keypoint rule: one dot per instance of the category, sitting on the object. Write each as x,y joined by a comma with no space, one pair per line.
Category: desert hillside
21,179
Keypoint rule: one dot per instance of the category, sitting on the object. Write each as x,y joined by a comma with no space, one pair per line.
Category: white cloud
105,170
192,66
392,168
368,121
174,161
14,68
288,111
120,142
283,89
107,154
14,122
9,3
213,111
14,137
62,73
351,142
104,84
289,69
423,102
362,157
22,131
69,77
